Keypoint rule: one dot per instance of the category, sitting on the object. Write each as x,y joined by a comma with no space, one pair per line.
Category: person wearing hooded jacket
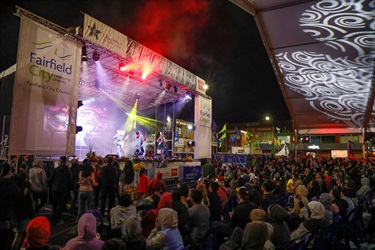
281,234
86,239
365,187
148,221
165,235
312,224
130,230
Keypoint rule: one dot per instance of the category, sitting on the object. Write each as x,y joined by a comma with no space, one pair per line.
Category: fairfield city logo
40,64
94,31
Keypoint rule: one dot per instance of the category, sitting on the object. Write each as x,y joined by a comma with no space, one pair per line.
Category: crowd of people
272,203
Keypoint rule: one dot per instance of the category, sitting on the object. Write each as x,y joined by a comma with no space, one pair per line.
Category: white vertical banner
202,133
107,37
45,94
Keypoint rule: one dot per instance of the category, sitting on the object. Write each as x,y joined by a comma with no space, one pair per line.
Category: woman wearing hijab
165,235
86,239
312,224
148,221
130,230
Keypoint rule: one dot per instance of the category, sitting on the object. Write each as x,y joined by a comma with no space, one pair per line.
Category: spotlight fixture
84,54
167,87
137,96
175,88
121,67
96,56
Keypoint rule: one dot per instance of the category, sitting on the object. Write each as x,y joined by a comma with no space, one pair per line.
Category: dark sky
215,40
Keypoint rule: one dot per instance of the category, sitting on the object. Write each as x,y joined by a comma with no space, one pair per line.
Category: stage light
188,97
175,88
167,87
80,103
84,54
191,143
96,56
78,129
190,127
137,96
121,67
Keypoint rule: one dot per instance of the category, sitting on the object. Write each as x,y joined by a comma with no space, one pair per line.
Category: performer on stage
139,139
118,140
162,144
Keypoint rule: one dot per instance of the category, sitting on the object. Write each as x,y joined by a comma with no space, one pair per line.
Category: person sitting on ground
148,203
300,202
234,241
183,216
326,200
241,214
185,199
199,218
120,213
215,202
281,234
114,244
157,185
148,221
165,235
38,233
87,237
261,215
254,236
131,234
312,224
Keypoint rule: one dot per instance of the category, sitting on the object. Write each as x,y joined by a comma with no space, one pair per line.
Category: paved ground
60,234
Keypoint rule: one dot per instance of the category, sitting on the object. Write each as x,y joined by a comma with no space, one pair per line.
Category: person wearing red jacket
142,185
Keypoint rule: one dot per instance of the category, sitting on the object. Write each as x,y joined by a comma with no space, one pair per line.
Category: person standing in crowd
199,218
75,169
39,184
86,183
218,163
10,205
109,185
98,179
137,164
143,185
27,212
129,180
59,181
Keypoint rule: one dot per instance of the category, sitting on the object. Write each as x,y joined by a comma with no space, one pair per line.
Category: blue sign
232,158
191,173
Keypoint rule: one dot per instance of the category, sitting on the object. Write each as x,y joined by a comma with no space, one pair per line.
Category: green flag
224,129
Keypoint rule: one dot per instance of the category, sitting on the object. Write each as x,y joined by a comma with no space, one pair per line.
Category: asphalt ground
61,234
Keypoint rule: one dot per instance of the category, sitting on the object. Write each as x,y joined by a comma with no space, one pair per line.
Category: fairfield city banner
203,121
45,97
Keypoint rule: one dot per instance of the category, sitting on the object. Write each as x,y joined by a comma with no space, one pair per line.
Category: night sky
215,40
